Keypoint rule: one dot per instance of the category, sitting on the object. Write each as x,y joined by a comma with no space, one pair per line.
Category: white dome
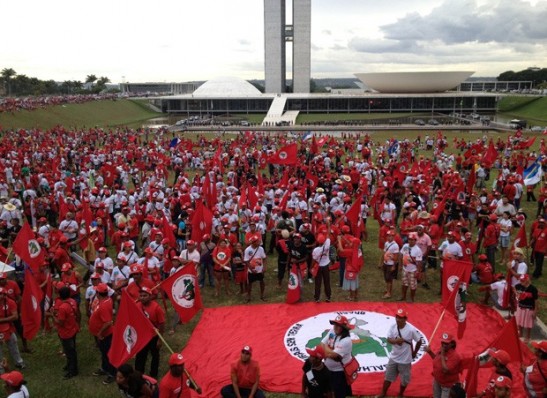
227,87
413,82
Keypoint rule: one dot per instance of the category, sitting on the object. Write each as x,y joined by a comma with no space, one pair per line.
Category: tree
90,79
7,74
101,83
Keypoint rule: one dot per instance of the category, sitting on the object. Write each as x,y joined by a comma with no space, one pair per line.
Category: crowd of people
116,210
16,104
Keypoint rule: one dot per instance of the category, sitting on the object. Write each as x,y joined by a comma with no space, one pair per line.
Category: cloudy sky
181,40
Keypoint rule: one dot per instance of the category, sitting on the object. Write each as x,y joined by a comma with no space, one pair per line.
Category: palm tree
7,74
90,78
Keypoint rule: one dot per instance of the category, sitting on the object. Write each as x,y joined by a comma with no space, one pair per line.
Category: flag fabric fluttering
533,173
183,291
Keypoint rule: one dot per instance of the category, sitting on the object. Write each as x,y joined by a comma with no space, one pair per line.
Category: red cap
501,355
447,338
176,359
101,288
14,379
318,352
95,276
190,242
321,238
401,313
135,269
3,275
146,290
102,250
540,345
342,321
247,349
66,267
503,382
128,244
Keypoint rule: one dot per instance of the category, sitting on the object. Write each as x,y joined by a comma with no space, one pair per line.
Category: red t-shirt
134,290
490,235
454,365
12,289
540,236
7,309
246,373
101,314
153,312
66,313
170,387
485,272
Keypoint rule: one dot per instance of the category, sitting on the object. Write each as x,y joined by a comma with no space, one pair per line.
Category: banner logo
34,248
370,346
282,155
184,291
129,338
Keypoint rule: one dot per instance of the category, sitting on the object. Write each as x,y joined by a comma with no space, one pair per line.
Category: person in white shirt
517,267
401,336
104,259
255,257
337,346
190,255
506,225
450,249
320,256
410,257
389,262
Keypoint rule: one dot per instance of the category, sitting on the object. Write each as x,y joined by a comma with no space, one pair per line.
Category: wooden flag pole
437,326
190,378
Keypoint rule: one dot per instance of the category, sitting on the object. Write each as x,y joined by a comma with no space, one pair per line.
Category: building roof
413,82
226,87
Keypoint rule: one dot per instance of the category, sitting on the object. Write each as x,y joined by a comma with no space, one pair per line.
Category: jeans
538,262
206,267
69,348
13,350
104,347
439,391
342,269
339,385
323,275
491,255
140,359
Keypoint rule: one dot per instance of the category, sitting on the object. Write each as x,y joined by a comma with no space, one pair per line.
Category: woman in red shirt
222,256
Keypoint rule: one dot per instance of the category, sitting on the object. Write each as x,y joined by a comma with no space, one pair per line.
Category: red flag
508,340
31,312
252,196
475,149
63,208
471,378
183,291
132,332
353,216
202,222
520,239
471,180
454,271
168,233
243,197
284,200
286,155
87,217
27,247
314,148
109,174
313,180
284,178
491,154
3,254
294,288
526,144
260,183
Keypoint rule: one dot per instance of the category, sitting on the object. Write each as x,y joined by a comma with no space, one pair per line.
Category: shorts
389,274
394,369
504,241
256,277
525,317
350,284
409,279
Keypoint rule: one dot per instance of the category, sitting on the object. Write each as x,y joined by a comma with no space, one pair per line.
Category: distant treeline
536,75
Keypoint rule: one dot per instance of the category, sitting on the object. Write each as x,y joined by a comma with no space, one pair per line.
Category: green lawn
531,109
90,114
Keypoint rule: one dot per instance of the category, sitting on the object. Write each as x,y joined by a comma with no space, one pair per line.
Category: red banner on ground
280,333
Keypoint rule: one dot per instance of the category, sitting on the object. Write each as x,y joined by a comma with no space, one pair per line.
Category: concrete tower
276,34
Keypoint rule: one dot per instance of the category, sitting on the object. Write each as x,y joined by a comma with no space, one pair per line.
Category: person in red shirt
175,383
535,383
138,282
245,375
72,279
539,245
447,366
8,314
100,326
222,256
491,236
156,315
469,248
66,317
483,272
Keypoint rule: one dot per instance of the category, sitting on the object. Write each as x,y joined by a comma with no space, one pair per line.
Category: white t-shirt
321,254
23,393
411,256
508,224
340,346
193,256
403,353
499,287
391,250
252,253
519,268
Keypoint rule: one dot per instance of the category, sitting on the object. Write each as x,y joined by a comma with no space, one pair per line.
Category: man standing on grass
410,257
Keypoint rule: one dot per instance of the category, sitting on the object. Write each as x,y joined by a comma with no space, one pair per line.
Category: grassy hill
98,113
532,109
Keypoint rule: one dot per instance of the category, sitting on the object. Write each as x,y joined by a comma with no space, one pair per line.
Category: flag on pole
307,136
491,154
470,383
456,274
31,312
28,248
286,155
202,222
520,239
183,291
294,289
174,142
533,173
132,332
353,215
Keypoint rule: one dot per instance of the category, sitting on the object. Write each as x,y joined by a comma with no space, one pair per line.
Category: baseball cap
102,250
14,379
483,257
135,269
66,267
3,275
128,244
247,349
101,288
503,382
524,277
413,235
176,359
318,352
401,313
342,321
95,276
190,242
501,355
146,290
447,338
540,345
